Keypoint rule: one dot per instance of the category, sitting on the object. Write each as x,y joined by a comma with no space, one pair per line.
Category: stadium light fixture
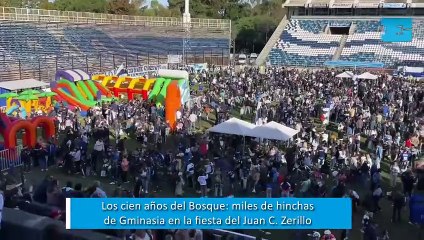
186,14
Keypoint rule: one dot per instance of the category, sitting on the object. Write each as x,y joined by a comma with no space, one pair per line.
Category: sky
163,2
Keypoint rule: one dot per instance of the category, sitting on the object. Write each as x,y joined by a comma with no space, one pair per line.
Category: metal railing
10,158
41,15
44,68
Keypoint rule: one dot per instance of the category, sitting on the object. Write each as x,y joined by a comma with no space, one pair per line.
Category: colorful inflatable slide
126,85
171,89
10,126
149,89
72,88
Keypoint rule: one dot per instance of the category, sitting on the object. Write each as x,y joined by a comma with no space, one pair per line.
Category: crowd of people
348,130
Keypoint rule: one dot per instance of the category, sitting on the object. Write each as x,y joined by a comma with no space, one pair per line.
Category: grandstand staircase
271,42
339,50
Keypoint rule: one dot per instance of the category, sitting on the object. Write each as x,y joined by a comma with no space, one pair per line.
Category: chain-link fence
44,68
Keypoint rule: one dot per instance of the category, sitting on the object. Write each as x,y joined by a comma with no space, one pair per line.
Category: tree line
253,20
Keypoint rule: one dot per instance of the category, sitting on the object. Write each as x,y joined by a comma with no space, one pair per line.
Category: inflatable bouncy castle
9,128
154,89
170,89
75,88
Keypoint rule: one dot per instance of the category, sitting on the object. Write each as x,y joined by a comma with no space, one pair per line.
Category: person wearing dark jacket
364,173
40,194
78,193
408,181
370,233
26,159
398,203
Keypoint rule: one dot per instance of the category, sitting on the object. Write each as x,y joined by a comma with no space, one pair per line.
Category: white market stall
346,74
274,131
367,75
233,126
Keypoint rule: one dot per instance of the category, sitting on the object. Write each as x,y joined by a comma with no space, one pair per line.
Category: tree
157,9
125,7
97,6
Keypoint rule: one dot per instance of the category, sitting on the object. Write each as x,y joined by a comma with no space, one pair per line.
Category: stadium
370,33
36,43
79,106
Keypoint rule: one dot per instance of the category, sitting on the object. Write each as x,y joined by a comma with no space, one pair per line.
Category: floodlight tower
186,26
186,14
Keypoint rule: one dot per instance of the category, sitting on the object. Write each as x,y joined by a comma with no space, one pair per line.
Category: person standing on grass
398,203
394,173
40,153
179,191
408,181
98,151
125,166
202,179
26,159
377,194
77,160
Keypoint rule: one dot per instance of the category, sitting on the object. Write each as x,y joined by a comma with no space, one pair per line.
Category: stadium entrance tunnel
339,30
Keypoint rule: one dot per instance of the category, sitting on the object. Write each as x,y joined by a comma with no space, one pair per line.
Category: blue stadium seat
304,43
29,41
366,45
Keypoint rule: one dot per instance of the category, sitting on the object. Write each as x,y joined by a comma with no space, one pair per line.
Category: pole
39,70
148,58
86,62
100,62
20,69
222,57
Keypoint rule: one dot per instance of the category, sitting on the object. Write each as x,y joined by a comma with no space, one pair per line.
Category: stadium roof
354,3
22,84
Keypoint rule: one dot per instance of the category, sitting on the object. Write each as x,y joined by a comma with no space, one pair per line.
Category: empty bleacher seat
29,42
304,43
366,45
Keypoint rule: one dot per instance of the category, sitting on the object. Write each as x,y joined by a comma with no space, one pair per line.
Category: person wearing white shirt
98,148
190,173
394,173
202,179
68,123
77,160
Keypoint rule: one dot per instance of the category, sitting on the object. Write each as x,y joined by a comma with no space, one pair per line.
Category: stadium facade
35,43
346,33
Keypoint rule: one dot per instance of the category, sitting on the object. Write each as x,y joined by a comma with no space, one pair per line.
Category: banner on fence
174,59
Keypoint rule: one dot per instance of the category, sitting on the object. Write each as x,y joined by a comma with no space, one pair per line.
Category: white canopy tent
275,131
233,126
367,75
17,85
346,74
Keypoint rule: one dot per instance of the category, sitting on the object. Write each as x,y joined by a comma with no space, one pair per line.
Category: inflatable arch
29,138
47,124
11,126
72,75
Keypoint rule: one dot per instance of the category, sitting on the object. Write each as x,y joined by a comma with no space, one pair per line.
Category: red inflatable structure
9,128
172,104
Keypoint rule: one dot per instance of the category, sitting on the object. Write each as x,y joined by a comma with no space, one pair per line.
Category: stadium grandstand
346,33
34,43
